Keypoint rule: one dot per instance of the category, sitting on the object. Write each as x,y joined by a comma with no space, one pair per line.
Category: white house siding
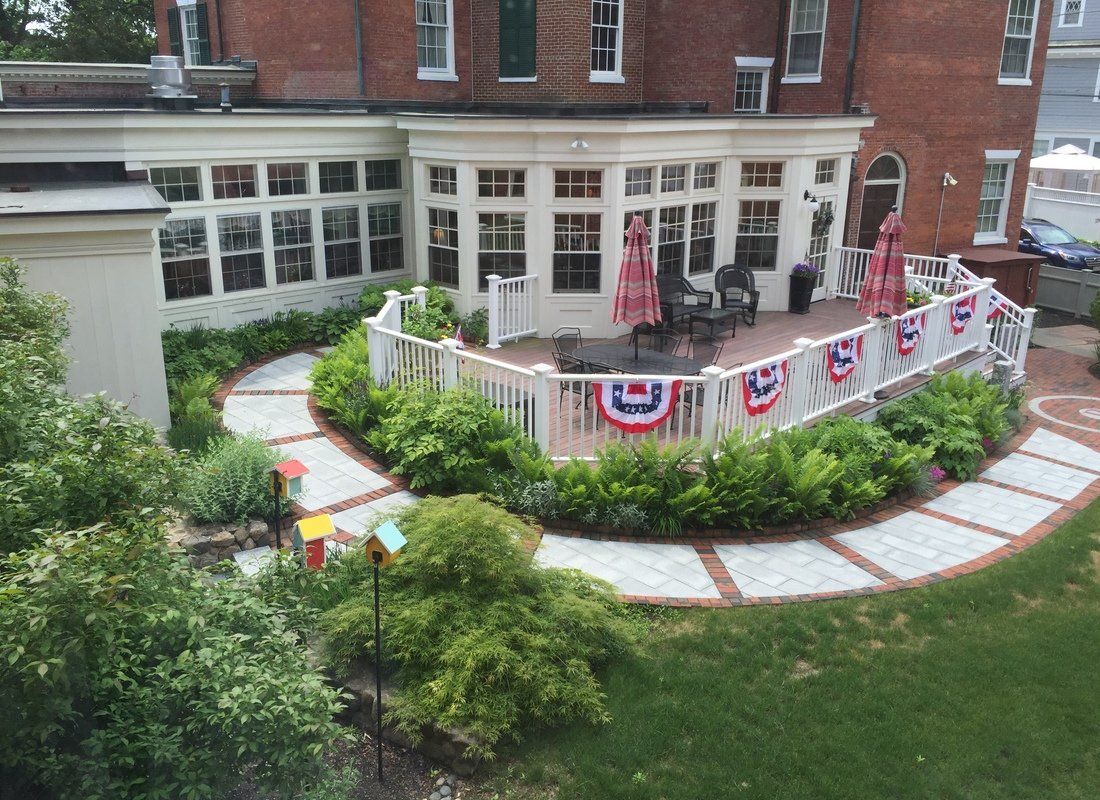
1068,113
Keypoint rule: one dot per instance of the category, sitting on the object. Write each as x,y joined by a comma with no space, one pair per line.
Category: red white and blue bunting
910,330
636,407
962,312
842,356
997,305
763,386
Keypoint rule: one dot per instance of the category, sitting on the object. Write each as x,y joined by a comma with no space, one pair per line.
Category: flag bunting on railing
910,329
842,356
763,386
997,305
961,314
636,407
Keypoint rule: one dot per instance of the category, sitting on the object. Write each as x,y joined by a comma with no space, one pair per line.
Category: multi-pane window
233,181
1072,12
433,36
992,202
671,236
292,235
192,36
647,218
286,179
607,33
762,174
673,177
443,246
1019,39
572,183
820,237
343,254
749,95
705,176
387,251
758,234
701,248
442,180
337,176
382,175
639,181
176,184
825,172
501,246
501,182
806,38
184,260
576,258
242,247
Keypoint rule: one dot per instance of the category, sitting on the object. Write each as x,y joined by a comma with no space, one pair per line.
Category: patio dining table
620,358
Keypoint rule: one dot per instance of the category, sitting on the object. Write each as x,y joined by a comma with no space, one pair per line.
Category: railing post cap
909,269
954,257
419,289
392,293
1031,311
988,281
373,322
493,278
449,343
541,369
712,371
939,298
803,343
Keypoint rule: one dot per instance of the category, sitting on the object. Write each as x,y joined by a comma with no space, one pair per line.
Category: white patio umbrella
1067,158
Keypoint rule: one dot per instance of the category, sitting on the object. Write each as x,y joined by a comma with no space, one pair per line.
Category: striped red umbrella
636,297
883,292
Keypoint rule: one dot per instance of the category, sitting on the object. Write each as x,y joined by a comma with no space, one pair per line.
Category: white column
450,362
421,293
542,406
494,311
873,354
1025,338
709,433
935,328
800,389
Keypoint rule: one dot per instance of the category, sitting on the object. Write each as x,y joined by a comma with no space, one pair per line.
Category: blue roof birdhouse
384,544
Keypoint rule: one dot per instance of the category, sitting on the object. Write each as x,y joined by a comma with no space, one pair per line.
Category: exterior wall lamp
824,220
579,144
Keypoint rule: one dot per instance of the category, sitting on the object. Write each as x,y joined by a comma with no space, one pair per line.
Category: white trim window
995,194
343,247
806,41
177,184
292,237
190,35
1019,42
442,181
750,92
240,240
185,259
435,40
443,246
639,181
501,183
501,246
1072,15
757,244
577,252
384,239
607,42
825,172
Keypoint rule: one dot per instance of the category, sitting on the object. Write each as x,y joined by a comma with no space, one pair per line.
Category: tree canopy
77,30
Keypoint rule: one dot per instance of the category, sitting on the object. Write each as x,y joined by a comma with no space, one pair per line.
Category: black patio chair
665,341
705,349
567,365
679,299
566,340
736,288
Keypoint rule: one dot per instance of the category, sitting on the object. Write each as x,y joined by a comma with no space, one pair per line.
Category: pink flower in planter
987,443
937,473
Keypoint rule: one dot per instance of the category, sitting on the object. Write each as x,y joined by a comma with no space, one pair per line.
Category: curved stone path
1039,480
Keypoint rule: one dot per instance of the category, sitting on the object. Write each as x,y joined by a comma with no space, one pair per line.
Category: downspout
853,40
221,30
359,47
780,29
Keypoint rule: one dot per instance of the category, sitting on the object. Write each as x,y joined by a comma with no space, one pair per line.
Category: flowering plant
937,473
805,268
916,299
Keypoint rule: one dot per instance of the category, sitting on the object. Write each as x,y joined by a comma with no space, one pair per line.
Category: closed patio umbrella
636,298
883,292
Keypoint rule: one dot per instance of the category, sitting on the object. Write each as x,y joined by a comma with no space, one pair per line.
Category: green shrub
130,676
230,482
1094,310
480,636
427,322
197,351
372,298
331,324
447,441
195,433
342,384
475,326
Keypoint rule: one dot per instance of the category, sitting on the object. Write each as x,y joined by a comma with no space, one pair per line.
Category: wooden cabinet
1017,274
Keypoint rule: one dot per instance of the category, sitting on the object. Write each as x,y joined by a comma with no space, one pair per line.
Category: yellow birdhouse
384,544
309,536
287,475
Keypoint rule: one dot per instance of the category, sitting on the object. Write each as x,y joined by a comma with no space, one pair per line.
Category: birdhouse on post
384,544
288,477
309,538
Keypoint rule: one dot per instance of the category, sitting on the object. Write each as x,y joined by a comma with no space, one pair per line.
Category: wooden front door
878,199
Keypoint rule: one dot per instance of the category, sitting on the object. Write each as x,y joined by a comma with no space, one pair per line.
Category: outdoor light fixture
811,201
579,144
948,180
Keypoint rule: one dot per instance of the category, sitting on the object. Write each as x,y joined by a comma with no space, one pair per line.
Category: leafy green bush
447,441
956,417
427,322
475,326
481,636
130,676
342,384
231,481
1094,310
372,298
330,325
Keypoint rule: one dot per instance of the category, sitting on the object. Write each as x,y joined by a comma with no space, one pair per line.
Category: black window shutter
203,25
175,40
517,38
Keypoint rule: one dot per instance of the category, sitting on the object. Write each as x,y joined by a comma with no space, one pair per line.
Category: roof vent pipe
168,77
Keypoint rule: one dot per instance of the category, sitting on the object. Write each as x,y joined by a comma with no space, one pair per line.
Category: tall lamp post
382,547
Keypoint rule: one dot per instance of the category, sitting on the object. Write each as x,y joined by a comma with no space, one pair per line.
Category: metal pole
278,510
377,668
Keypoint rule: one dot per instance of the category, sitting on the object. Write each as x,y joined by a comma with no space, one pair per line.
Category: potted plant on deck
803,282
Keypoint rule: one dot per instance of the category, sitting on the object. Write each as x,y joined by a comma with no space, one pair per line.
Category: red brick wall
930,74
562,55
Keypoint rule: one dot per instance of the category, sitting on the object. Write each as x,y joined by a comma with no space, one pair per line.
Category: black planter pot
802,289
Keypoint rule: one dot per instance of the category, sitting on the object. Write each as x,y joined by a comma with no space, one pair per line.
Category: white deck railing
557,410
511,308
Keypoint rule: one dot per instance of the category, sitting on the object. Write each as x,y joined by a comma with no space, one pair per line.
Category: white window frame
1026,80
1080,16
807,77
1008,157
448,72
1096,90
188,11
752,64
607,76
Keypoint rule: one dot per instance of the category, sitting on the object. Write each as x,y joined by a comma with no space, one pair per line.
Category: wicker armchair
736,288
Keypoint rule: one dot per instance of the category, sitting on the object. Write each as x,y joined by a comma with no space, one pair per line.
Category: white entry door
821,242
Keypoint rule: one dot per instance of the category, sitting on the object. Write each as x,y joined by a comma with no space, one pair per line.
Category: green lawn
987,686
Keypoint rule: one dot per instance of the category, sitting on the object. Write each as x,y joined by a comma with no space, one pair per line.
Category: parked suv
1060,247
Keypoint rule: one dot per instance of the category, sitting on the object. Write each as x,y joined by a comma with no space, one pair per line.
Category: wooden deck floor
774,333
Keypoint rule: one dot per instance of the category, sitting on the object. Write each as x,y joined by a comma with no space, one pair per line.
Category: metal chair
736,288
566,340
705,349
567,365
664,341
